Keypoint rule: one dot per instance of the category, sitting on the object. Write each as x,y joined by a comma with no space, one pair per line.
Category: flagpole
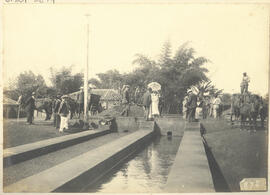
86,77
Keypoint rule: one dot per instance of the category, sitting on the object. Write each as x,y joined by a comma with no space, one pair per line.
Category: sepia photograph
134,96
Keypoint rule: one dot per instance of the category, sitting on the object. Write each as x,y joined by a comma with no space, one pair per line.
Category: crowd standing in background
191,106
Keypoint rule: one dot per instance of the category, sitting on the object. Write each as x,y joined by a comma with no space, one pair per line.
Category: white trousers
63,123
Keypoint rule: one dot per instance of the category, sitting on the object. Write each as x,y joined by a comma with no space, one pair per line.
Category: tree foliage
64,81
206,88
176,73
25,84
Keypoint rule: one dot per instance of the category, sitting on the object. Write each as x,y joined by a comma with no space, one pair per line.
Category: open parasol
154,86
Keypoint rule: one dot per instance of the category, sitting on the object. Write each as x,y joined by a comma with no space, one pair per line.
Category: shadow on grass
219,181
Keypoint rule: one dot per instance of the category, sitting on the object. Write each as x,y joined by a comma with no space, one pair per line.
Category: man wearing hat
191,106
126,101
56,105
244,83
29,108
64,110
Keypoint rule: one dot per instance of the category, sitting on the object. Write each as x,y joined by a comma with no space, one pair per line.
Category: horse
93,105
46,105
263,112
40,104
74,107
249,109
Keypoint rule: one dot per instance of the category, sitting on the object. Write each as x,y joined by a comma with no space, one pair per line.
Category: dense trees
176,73
64,82
26,83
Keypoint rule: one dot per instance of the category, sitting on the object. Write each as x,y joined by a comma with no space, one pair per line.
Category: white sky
234,37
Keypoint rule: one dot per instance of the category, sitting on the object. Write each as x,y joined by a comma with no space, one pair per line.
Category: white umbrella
154,86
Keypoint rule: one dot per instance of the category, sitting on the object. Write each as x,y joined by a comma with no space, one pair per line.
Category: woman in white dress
184,108
154,104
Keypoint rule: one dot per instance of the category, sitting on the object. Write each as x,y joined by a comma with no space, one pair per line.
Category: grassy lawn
18,132
239,154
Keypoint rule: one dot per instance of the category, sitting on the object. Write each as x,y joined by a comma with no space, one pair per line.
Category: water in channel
147,171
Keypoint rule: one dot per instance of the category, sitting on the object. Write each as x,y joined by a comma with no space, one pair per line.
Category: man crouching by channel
63,112
146,103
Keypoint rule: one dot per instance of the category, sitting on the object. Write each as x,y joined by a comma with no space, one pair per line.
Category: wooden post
86,78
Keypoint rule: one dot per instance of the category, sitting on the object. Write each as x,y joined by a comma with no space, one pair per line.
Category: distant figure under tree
216,106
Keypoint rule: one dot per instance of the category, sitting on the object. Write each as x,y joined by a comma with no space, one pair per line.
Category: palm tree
206,87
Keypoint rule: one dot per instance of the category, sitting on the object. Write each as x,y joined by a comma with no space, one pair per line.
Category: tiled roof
106,94
8,101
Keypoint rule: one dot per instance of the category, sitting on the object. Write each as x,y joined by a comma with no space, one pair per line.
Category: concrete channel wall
74,174
32,150
190,171
175,125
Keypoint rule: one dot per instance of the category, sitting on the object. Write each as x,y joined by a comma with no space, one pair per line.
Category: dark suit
126,103
191,107
29,108
146,104
80,101
56,120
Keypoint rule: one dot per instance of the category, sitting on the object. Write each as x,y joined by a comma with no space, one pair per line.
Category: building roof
8,101
106,94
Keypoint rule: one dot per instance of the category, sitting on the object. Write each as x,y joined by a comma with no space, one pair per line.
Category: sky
233,36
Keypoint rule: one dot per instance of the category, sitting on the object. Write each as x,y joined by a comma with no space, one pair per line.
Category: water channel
146,171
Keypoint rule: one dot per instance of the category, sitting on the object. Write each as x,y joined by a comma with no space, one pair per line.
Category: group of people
207,106
189,106
60,108
152,104
151,101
